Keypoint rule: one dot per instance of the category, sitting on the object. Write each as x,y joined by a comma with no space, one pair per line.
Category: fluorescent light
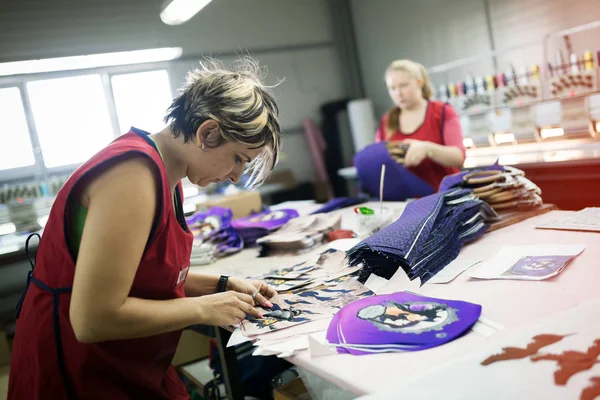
597,126
468,142
502,137
551,132
178,12
90,61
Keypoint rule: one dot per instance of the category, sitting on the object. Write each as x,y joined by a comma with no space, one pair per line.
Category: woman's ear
420,83
207,133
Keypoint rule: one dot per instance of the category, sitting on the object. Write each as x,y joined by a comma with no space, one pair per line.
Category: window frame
39,170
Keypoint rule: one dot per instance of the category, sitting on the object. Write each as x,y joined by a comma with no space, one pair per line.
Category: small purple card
268,220
538,266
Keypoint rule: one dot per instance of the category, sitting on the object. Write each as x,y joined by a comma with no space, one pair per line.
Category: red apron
47,360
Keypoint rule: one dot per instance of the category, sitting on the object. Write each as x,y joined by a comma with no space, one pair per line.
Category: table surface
512,304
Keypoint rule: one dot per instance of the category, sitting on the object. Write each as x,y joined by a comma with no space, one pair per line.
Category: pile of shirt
300,234
214,235
257,226
428,236
399,322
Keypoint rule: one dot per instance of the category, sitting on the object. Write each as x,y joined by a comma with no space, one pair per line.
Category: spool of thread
452,90
443,92
523,78
460,89
480,85
535,72
500,80
560,63
469,85
588,60
574,63
490,83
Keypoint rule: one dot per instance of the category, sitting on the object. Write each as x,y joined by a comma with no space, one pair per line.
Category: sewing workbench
508,305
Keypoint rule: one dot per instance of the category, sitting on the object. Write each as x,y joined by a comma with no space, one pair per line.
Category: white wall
293,39
438,31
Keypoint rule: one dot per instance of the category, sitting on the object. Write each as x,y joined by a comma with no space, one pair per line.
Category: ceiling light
89,61
177,12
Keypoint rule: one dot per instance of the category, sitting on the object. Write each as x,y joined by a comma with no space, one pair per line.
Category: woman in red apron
110,293
431,129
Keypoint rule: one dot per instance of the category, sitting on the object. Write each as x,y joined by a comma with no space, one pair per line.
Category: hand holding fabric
251,287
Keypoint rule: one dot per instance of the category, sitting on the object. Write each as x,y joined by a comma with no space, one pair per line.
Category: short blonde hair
239,101
416,71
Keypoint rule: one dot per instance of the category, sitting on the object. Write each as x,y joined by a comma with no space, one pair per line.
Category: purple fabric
214,227
400,322
426,238
256,226
399,184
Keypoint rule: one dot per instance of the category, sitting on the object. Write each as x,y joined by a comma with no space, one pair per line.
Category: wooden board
511,218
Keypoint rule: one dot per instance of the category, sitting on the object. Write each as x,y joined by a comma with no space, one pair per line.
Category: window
71,118
15,143
142,99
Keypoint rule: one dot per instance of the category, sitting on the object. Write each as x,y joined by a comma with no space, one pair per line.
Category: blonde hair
416,71
240,102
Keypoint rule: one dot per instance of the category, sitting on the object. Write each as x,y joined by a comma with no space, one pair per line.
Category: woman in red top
110,292
430,128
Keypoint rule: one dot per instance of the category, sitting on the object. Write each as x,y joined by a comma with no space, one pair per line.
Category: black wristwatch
222,285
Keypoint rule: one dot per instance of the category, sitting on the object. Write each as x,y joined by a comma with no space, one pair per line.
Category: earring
201,146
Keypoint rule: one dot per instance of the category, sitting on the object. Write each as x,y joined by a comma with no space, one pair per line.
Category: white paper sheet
375,283
532,262
452,270
237,337
587,219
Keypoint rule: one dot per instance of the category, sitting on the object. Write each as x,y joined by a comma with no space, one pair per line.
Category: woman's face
218,164
404,90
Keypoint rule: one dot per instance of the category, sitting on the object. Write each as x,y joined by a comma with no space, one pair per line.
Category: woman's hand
418,150
227,308
263,291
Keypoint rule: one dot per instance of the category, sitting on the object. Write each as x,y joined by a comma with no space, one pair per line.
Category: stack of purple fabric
399,322
254,227
214,235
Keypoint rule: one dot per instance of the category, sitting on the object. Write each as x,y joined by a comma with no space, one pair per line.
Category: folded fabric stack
214,236
299,234
428,236
257,226
399,322
399,182
503,188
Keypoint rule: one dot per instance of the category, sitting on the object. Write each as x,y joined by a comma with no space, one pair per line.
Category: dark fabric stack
426,238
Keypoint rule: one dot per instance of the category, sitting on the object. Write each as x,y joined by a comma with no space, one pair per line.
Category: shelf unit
557,102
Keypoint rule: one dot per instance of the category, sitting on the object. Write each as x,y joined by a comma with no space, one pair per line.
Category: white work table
509,304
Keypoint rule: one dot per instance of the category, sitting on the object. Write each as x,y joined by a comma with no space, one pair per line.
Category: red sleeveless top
47,360
442,126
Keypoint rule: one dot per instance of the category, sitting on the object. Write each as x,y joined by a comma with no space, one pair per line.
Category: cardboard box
295,390
241,204
192,346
